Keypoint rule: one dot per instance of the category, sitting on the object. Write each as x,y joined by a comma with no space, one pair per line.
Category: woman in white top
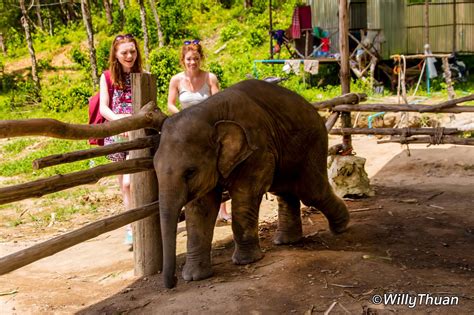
192,86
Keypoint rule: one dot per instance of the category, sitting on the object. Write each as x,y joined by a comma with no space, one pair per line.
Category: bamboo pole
444,140
394,131
56,183
449,103
350,98
147,243
331,121
345,71
36,252
141,143
149,116
401,108
447,78
420,56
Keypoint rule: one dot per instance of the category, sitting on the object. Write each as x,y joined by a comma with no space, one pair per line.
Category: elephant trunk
169,215
169,223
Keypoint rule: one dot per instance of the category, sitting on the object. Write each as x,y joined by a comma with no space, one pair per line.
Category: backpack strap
110,86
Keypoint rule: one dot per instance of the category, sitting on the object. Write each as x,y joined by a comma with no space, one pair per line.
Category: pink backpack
94,108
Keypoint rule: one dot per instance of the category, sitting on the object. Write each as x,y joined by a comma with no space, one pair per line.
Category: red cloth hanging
295,24
304,13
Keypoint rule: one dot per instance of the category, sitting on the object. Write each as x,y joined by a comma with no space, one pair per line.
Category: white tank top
188,98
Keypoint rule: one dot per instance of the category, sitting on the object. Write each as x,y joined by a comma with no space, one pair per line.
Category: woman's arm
104,108
173,95
214,84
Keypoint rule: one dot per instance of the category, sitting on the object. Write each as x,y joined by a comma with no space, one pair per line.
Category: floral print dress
121,104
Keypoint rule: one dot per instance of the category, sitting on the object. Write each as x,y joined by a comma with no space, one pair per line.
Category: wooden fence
144,187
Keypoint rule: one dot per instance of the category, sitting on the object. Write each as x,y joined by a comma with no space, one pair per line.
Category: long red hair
117,75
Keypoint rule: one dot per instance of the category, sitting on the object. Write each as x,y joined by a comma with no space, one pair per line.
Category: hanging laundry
295,24
430,62
292,65
311,66
304,13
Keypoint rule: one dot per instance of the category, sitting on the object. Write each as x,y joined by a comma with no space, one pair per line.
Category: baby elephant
252,138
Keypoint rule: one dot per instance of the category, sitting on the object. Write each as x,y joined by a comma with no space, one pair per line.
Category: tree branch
56,183
147,117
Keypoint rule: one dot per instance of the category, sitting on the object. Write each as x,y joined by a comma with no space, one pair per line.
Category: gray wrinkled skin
251,138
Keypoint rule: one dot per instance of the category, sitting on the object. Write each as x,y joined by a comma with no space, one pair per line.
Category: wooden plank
350,98
345,72
56,183
449,103
401,108
394,131
147,243
443,140
69,157
61,242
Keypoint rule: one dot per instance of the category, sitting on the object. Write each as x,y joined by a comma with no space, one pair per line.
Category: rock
347,176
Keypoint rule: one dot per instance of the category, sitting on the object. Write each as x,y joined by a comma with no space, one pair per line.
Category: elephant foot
196,271
287,237
244,257
340,225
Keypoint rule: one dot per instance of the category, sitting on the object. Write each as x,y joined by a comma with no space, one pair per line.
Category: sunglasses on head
120,37
194,41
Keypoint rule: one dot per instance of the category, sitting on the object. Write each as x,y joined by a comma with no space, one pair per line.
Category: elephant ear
234,145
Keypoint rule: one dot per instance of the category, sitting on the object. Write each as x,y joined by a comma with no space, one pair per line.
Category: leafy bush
102,54
230,31
174,19
63,100
216,68
164,64
45,64
79,57
256,37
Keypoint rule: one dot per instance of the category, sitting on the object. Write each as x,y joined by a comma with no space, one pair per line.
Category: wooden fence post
147,244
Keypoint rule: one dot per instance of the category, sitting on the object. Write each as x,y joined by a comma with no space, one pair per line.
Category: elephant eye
189,173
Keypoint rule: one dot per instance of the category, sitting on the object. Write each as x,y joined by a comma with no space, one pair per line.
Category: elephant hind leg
289,229
333,208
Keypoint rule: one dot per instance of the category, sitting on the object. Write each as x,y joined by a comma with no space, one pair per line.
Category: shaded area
407,239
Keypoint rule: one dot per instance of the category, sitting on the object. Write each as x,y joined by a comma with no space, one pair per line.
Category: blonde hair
117,75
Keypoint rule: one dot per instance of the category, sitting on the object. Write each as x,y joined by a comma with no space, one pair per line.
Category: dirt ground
415,236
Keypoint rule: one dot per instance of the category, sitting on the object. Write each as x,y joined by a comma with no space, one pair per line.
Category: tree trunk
2,45
122,15
158,23
345,70
29,41
70,9
86,15
38,14
248,4
108,12
145,30
427,22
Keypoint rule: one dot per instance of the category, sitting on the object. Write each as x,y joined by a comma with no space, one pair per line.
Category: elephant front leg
200,220
245,229
289,229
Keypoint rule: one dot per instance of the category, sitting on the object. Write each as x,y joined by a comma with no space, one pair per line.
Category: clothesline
284,61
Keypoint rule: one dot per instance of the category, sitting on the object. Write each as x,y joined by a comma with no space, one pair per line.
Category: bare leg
200,220
124,184
223,214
